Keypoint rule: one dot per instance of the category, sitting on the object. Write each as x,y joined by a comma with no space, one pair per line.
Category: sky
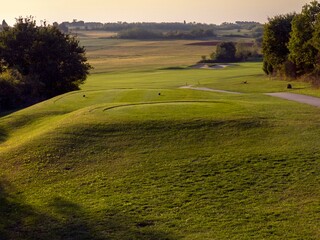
204,11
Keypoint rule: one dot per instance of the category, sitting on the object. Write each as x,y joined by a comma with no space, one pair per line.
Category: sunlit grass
133,156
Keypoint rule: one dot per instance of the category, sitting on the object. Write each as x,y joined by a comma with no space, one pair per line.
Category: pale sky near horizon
204,11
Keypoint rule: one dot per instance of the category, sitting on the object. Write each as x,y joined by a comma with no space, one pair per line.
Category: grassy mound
119,161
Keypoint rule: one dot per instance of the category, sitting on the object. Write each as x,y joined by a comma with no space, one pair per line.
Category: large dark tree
50,62
275,40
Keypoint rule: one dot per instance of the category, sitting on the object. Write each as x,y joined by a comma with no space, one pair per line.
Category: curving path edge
209,89
314,101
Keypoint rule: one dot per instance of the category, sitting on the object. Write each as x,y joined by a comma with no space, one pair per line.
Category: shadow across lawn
3,135
21,221
66,221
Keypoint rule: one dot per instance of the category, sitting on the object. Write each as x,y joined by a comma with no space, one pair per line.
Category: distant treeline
167,30
140,33
164,26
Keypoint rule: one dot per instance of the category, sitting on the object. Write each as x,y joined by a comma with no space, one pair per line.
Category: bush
267,67
288,69
10,95
225,52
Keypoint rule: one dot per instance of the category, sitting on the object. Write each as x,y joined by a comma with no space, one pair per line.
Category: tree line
291,44
37,63
140,33
163,26
228,52
167,30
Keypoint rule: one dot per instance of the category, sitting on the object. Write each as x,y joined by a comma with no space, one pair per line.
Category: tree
275,40
7,90
291,44
225,52
50,62
316,35
244,51
301,47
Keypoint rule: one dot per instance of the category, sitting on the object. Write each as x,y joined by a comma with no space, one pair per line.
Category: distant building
80,25
94,25
3,25
75,25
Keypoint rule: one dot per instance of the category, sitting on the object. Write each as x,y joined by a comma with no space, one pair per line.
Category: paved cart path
209,89
314,101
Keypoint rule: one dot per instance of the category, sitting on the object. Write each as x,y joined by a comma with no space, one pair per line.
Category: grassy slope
125,163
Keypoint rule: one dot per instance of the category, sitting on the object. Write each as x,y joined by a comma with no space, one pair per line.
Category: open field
113,55
117,160
109,55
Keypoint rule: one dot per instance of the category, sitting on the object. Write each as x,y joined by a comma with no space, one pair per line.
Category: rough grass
110,55
124,162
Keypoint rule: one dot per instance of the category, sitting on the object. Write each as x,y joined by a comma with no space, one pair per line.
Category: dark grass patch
215,43
3,135
64,219
174,68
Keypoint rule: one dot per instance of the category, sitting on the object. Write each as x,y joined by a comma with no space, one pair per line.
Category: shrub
10,95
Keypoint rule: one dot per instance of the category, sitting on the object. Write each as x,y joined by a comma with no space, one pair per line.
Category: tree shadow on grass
66,221
3,135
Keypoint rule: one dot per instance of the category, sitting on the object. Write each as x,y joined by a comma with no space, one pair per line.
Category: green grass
124,162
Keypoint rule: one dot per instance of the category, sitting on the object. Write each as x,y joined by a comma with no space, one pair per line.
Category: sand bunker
209,66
